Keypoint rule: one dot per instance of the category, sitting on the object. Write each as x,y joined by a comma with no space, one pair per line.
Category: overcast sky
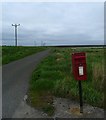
53,23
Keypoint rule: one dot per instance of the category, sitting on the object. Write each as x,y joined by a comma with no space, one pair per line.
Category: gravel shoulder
65,108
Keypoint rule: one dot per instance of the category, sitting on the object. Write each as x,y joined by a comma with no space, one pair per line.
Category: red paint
79,60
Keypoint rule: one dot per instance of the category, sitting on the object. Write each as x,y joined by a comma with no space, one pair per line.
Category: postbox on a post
79,71
79,66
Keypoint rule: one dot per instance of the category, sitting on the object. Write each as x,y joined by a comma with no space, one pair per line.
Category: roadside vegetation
12,53
53,77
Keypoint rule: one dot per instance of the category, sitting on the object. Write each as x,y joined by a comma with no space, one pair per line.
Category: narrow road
15,78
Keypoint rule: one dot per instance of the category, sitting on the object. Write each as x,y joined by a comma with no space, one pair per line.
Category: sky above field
53,23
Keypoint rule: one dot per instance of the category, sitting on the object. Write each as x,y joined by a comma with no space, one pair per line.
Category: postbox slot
80,62
80,57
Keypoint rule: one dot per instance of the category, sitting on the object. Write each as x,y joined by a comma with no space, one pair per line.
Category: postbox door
79,66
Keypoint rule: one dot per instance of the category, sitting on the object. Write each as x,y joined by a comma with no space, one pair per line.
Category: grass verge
53,77
12,53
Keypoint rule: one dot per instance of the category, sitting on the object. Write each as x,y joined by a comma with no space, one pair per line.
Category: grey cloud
54,23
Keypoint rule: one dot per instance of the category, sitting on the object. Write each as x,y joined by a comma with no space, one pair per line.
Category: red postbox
79,66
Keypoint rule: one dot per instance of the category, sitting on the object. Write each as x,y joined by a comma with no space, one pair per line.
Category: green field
12,53
54,77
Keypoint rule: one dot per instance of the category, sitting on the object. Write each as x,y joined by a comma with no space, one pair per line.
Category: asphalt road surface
15,78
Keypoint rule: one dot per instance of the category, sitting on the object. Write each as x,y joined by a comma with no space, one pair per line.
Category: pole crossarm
16,25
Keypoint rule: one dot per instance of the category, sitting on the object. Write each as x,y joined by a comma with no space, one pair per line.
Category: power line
15,25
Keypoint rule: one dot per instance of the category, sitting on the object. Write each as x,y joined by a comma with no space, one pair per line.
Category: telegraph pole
15,25
41,43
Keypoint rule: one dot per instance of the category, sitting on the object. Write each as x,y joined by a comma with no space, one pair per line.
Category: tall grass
98,76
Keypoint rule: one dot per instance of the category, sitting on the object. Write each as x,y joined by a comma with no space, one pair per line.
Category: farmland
12,53
53,77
